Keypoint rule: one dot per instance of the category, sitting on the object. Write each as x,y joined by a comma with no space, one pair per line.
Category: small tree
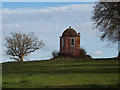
20,44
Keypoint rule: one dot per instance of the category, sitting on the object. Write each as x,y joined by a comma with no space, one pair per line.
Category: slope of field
61,73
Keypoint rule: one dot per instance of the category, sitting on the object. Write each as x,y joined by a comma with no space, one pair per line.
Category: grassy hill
61,73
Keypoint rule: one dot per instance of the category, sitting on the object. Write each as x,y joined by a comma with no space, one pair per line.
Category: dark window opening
73,51
72,41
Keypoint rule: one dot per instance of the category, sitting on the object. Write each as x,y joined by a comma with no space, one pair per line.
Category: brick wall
67,48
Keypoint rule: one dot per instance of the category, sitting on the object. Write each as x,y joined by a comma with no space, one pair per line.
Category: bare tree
21,44
107,19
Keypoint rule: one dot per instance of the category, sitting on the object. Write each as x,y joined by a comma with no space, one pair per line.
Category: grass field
61,73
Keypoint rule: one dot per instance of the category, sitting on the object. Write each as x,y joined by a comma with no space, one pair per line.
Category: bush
64,55
83,54
55,54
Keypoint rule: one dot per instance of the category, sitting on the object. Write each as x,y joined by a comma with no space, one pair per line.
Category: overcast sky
48,21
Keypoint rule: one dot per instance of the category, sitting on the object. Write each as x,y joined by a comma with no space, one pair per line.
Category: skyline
46,20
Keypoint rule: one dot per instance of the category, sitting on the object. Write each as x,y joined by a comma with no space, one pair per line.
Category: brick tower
70,42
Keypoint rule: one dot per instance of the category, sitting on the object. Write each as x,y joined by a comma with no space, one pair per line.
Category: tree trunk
21,58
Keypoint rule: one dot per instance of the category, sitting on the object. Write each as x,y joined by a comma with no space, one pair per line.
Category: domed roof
69,32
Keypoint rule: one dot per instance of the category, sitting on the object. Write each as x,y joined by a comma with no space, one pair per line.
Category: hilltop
61,73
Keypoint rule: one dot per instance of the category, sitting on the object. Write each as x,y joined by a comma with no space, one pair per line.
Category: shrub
55,54
64,55
83,54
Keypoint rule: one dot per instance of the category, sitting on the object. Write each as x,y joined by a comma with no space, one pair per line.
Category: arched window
72,41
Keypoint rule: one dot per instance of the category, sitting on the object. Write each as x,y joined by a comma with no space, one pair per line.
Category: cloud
97,53
49,24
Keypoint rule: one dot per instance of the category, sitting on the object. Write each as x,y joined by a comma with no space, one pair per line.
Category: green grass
61,73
